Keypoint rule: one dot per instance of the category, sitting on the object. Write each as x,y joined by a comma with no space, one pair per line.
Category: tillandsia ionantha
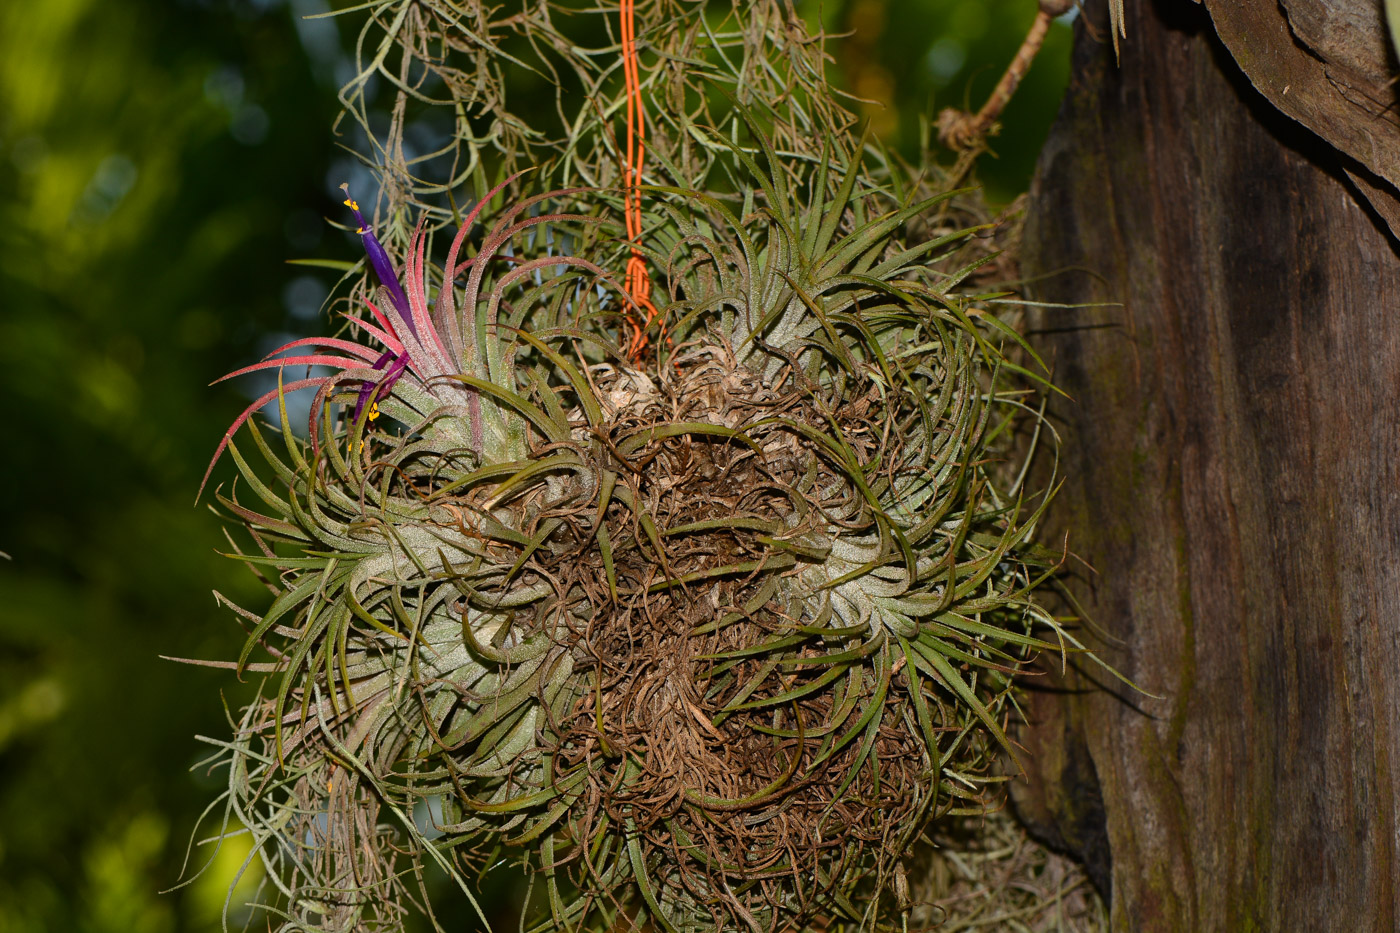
699,630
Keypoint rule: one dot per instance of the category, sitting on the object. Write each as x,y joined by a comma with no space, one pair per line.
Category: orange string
637,281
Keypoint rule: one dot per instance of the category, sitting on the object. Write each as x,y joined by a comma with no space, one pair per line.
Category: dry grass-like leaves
986,874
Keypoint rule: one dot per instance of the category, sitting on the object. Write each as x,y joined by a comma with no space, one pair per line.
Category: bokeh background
160,163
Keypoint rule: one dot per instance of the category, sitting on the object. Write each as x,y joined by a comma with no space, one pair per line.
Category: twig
961,131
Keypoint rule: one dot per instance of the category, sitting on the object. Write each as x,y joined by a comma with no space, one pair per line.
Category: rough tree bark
1231,463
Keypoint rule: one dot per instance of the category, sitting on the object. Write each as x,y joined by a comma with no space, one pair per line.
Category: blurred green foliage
159,162
152,157
913,58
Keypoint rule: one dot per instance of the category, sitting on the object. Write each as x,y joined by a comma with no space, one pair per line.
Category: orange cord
637,281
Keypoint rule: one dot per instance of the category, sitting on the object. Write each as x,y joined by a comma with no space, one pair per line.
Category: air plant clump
700,637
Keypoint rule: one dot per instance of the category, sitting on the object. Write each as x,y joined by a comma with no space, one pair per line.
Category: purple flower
412,345
384,270
380,262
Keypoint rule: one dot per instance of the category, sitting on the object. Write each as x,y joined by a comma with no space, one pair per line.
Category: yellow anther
362,230
352,204
373,411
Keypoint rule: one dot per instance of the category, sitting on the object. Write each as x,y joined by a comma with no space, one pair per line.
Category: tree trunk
1231,457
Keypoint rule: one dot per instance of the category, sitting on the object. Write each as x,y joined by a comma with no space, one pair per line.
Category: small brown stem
959,130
